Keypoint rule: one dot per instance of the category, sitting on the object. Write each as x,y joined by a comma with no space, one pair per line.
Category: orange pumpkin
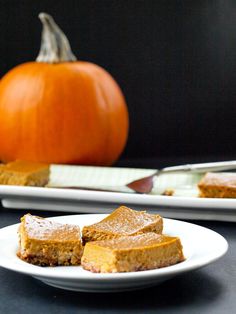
59,110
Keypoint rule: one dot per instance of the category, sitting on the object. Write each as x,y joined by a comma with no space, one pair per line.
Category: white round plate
201,247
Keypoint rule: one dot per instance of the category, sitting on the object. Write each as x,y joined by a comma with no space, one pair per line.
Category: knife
145,185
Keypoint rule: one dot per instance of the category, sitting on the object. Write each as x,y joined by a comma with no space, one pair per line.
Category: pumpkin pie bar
132,253
24,173
218,185
48,243
123,222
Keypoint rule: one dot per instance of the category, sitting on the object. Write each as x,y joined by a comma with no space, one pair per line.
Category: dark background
174,60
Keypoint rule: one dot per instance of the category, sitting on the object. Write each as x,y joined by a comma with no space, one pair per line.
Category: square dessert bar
132,253
123,222
218,185
48,243
24,173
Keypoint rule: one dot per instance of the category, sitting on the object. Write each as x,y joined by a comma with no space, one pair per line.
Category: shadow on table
182,291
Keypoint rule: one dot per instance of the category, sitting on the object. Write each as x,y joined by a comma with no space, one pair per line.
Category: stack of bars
125,241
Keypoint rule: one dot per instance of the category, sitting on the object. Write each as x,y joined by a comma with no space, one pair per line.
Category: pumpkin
60,110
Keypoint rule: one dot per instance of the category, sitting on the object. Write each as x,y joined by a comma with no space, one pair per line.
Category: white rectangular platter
184,204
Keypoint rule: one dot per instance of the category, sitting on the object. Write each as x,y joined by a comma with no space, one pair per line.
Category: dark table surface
211,289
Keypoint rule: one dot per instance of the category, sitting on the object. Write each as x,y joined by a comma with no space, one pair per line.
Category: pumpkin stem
55,46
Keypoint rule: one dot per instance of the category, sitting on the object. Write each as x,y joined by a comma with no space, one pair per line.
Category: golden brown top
140,241
125,221
43,229
24,166
223,179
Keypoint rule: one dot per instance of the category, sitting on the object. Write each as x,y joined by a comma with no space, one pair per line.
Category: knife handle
203,167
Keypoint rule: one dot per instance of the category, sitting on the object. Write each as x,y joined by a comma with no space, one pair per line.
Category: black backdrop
174,60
